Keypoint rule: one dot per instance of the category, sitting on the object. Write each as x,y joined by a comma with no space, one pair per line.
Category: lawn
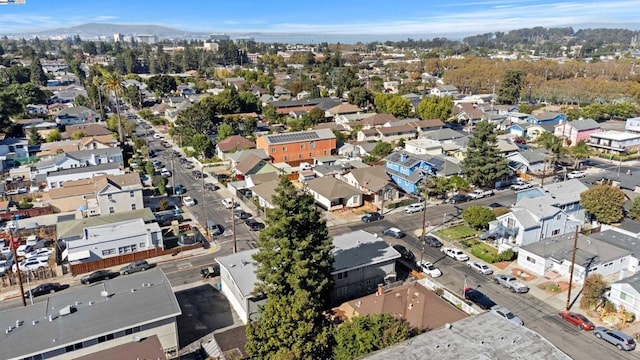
455,233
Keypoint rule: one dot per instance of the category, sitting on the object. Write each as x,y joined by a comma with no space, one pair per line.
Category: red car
578,320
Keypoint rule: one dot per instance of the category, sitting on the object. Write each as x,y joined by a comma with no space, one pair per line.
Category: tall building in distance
118,37
219,37
146,39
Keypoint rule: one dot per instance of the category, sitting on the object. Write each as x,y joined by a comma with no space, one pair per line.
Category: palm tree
552,143
580,151
97,82
113,83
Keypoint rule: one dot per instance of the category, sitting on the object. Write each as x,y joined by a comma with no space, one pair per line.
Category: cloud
104,18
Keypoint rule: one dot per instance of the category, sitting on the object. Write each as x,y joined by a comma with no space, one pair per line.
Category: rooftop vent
19,323
133,290
104,293
448,326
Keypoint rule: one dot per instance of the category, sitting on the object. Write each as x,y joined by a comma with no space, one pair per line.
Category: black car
372,216
254,225
216,229
430,241
98,276
43,289
197,174
241,215
140,265
478,298
404,252
221,176
211,187
459,198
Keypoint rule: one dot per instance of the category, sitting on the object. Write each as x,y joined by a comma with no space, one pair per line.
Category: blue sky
428,17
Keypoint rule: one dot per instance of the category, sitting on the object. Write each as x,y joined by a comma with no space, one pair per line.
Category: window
342,275
105,338
286,158
142,245
559,217
284,149
273,150
111,210
127,249
301,146
312,144
110,197
511,222
310,155
299,156
73,347
325,152
555,232
133,206
531,260
108,252
132,193
623,296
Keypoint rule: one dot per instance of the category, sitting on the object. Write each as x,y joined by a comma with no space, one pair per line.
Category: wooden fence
27,213
77,269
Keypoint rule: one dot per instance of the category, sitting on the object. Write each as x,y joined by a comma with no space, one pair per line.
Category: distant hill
95,30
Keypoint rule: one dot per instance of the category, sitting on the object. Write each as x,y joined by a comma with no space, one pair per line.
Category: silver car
503,312
621,340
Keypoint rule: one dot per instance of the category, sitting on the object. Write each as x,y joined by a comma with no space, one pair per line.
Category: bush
478,217
24,204
507,255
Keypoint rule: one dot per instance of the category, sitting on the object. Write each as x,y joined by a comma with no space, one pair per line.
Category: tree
634,209
580,151
382,149
360,96
201,144
509,91
34,137
80,100
77,135
552,143
53,135
164,84
482,165
146,114
37,76
294,264
478,217
113,83
149,168
393,104
435,107
593,292
224,131
316,115
365,334
604,202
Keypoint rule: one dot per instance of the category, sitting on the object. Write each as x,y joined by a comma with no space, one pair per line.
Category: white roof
616,135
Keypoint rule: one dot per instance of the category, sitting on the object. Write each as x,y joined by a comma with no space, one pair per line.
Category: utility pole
424,218
14,245
233,224
573,263
204,207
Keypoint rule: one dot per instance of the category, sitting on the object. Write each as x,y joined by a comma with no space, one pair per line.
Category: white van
228,203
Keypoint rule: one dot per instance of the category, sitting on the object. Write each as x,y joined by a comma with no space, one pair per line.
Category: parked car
43,253
414,208
404,252
505,313
23,249
197,174
210,271
241,215
430,241
43,289
478,298
98,276
189,201
372,216
140,265
576,174
229,203
429,269
179,189
211,187
578,320
480,193
480,267
254,225
30,264
511,283
215,229
459,198
621,340
165,172
455,253
220,176
394,232
521,186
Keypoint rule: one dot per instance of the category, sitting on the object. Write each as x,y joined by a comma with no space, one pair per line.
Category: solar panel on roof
293,137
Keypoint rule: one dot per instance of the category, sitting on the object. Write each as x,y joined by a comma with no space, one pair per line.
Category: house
444,90
423,146
516,117
76,115
427,125
264,192
615,142
548,117
356,149
299,146
119,193
506,147
353,276
98,237
352,118
443,134
468,113
232,144
390,87
374,121
482,336
575,131
632,125
387,133
55,108
14,147
420,307
332,194
626,292
407,170
529,222
56,178
37,109
253,164
620,239
564,195
74,195
528,161
343,109
282,93
90,130
40,334
373,181
80,158
236,82
555,254
98,142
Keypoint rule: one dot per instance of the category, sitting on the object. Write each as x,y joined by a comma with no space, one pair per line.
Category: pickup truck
520,186
479,194
455,253
511,283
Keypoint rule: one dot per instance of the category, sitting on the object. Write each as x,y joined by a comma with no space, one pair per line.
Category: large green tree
38,77
509,91
435,107
393,104
365,334
482,165
634,209
478,217
294,265
604,202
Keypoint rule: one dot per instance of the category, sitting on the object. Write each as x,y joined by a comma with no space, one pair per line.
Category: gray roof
238,155
85,169
443,134
87,154
242,269
565,192
480,337
525,218
75,111
534,156
359,248
124,309
537,208
618,239
583,124
633,281
590,251
332,188
74,228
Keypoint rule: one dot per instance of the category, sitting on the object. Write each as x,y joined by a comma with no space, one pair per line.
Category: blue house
407,170
547,118
517,130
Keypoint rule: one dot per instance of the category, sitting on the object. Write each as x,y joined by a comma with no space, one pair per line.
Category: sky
428,17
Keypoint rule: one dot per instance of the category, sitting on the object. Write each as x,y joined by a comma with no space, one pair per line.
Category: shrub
507,255
478,217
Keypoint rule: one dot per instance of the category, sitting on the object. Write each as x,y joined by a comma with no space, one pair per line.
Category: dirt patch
523,275
553,287
502,264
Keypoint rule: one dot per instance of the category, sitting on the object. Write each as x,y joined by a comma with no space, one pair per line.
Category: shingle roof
236,142
359,248
74,228
85,169
400,129
373,178
583,124
332,188
444,134
266,190
248,163
344,109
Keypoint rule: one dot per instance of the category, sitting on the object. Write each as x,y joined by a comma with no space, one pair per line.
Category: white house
592,257
632,125
444,90
332,194
15,147
80,158
615,142
565,195
626,292
55,179
423,146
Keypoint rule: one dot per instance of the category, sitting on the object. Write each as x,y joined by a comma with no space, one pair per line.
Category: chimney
403,157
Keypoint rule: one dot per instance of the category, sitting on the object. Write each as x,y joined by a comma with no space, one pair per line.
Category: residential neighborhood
192,197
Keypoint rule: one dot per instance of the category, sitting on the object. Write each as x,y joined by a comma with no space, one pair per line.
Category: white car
228,203
43,253
157,136
188,201
455,253
413,208
429,269
506,314
165,172
576,174
30,264
22,250
479,193
480,267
